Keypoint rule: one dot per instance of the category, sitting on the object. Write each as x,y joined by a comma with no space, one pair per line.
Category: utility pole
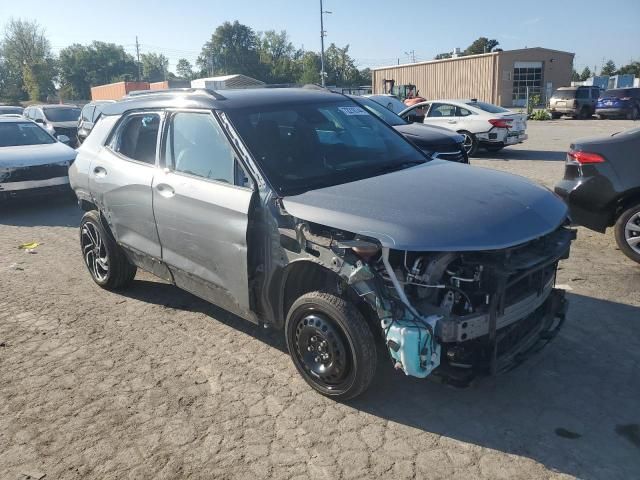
322,35
138,56
412,55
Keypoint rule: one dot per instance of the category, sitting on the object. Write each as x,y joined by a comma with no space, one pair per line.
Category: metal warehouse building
501,78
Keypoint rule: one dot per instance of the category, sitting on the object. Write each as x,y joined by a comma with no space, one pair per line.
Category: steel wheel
632,233
322,349
94,251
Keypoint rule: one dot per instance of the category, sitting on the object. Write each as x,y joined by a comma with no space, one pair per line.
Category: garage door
526,75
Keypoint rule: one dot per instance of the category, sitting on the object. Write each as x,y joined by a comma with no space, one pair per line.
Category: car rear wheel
470,142
106,261
627,232
602,117
633,114
585,113
331,345
555,116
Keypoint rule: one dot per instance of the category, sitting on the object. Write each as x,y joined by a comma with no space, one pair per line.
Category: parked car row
586,101
56,119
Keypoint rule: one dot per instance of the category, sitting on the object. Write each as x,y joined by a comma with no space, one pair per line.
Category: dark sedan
601,185
437,142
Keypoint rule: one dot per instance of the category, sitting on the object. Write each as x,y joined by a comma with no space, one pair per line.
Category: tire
556,116
494,148
470,142
633,114
627,229
584,113
104,258
331,345
602,117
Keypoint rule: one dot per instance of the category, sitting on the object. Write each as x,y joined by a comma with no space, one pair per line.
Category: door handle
165,190
100,172
451,121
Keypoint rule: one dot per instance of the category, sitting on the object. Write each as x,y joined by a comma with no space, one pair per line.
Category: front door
201,211
121,178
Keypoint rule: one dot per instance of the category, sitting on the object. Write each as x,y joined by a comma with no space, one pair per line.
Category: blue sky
378,32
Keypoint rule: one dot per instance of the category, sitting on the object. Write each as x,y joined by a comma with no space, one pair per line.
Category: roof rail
208,91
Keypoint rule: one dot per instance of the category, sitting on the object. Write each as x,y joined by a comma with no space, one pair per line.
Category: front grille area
38,172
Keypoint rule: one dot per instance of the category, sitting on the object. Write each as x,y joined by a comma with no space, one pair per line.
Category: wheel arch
625,201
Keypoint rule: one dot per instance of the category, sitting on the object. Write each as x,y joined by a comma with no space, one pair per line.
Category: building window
526,77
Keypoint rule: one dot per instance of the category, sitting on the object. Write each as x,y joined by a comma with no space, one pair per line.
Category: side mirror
64,139
39,120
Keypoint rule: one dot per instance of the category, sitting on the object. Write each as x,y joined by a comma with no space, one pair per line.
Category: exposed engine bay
453,314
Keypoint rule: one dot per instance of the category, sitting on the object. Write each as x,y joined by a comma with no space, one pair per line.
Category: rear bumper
582,210
614,112
564,110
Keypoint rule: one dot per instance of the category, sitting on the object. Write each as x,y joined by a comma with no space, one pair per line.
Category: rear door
120,181
201,204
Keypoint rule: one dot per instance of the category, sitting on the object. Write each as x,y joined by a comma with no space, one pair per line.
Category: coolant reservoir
412,346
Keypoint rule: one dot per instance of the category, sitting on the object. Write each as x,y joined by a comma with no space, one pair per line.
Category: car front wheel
106,261
627,232
331,345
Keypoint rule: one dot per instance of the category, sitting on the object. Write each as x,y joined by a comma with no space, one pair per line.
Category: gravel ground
154,383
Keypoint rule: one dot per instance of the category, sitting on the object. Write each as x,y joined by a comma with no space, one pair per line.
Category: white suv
482,124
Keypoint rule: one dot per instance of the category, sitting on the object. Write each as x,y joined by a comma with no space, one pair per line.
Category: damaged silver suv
298,209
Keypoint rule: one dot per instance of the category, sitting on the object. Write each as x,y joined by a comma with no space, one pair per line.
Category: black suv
299,209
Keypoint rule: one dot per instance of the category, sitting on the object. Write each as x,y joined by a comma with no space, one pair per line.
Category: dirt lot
154,383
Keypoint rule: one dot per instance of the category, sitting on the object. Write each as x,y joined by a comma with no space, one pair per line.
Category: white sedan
482,124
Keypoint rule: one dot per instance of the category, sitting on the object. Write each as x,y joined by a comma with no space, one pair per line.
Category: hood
437,206
429,134
32,155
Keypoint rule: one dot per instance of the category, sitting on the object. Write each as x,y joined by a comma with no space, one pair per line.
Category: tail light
501,122
583,158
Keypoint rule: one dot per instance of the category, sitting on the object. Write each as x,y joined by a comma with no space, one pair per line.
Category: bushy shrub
540,115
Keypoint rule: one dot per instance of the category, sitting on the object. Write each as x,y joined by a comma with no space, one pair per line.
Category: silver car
298,209
32,161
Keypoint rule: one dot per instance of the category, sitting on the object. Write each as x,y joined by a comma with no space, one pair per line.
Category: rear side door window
137,137
582,93
196,145
442,110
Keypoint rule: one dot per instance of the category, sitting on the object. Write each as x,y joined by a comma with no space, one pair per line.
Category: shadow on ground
573,408
51,211
515,154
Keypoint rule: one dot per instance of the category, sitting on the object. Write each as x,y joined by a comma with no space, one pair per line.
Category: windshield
13,134
10,110
487,107
617,93
381,112
302,147
62,114
564,94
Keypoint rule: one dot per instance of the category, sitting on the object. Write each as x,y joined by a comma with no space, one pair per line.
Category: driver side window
196,145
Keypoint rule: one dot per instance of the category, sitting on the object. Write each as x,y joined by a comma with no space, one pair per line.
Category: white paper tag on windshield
353,111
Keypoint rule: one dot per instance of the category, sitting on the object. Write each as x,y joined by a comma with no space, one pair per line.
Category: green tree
84,66
609,68
184,69
276,53
308,67
442,56
233,48
575,76
586,73
27,58
632,68
154,67
340,67
481,45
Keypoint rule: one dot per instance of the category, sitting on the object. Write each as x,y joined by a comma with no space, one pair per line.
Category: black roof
221,100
